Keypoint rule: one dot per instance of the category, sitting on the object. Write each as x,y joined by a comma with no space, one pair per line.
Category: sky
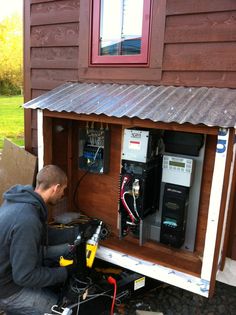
8,7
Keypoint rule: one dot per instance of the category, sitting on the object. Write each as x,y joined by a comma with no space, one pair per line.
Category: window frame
141,58
118,72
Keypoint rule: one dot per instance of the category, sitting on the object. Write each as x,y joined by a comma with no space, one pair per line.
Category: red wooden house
168,74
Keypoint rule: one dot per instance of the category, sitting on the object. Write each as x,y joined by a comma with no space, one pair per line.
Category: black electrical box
183,142
139,192
174,213
149,180
94,149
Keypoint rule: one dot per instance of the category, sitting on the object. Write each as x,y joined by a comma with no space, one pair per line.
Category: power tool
88,238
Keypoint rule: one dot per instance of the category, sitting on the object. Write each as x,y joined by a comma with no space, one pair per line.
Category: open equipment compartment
98,196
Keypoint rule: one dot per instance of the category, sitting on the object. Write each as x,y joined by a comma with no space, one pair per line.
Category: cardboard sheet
17,166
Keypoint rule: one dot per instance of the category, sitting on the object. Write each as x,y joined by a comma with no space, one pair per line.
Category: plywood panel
98,193
193,6
157,254
231,250
49,79
205,192
55,35
200,78
55,12
212,27
54,57
17,166
200,57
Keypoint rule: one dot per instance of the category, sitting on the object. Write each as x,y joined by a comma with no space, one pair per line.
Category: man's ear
54,188
57,187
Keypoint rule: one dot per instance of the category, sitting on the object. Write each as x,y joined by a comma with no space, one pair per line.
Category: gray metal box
135,145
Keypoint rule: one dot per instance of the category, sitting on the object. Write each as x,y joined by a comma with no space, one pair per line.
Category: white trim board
155,271
40,139
215,203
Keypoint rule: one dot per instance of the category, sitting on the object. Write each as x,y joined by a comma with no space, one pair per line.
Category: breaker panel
94,148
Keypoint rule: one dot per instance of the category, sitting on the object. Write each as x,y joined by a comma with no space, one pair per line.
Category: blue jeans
34,301
29,301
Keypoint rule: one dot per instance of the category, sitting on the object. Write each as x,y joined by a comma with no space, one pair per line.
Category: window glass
121,27
120,31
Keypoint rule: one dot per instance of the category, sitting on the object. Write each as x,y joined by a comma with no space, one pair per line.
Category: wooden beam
134,122
217,253
216,208
70,164
47,137
230,206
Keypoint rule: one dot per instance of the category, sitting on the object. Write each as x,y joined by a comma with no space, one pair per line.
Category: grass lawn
11,119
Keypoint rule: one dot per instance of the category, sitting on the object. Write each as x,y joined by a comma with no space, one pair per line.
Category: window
97,68
120,31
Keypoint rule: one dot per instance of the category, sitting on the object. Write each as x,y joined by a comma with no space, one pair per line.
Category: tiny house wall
196,47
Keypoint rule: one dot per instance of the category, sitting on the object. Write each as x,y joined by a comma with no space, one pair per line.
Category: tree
11,54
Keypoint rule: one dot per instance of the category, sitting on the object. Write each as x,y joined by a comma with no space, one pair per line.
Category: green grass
11,119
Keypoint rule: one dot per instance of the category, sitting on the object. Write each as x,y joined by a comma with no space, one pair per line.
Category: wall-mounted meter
135,145
140,145
177,170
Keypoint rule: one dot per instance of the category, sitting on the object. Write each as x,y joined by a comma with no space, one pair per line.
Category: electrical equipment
140,178
140,145
186,143
177,170
174,212
177,174
139,195
94,149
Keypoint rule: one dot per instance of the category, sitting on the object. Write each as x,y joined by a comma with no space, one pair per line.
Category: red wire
125,180
113,281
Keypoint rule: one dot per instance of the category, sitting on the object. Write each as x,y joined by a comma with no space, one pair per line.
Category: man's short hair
50,175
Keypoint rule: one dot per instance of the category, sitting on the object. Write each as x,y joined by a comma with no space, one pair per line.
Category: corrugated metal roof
208,106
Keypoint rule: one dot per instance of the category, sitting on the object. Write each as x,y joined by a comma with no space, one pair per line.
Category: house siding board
220,79
40,1
51,78
55,35
200,28
36,93
193,6
54,57
55,12
196,57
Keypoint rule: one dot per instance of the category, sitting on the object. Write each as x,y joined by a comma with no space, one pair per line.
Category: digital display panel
177,164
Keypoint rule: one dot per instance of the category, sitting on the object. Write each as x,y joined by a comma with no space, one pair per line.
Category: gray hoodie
23,217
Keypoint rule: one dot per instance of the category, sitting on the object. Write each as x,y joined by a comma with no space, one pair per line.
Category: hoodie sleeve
25,257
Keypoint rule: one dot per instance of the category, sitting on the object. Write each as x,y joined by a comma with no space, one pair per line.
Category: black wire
78,183
77,187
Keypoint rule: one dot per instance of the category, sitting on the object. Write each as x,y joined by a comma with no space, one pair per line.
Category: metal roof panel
209,106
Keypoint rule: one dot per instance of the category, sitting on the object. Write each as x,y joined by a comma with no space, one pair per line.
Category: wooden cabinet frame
203,282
